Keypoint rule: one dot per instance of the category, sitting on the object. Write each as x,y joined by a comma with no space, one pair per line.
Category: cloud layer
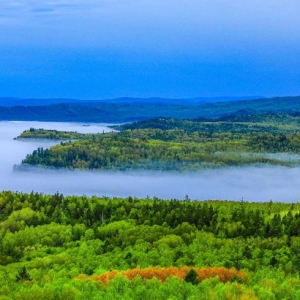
170,48
157,23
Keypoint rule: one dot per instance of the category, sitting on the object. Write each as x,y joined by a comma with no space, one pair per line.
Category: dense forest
246,123
74,247
175,145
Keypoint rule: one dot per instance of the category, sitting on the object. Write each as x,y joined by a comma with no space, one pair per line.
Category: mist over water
249,183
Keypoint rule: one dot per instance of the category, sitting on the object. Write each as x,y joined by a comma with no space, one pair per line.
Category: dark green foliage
23,275
192,277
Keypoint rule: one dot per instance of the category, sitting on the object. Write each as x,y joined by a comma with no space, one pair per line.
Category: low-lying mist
249,183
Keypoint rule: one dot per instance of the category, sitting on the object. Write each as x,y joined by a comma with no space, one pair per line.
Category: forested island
39,133
74,247
175,145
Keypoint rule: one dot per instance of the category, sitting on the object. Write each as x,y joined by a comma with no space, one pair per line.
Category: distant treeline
271,123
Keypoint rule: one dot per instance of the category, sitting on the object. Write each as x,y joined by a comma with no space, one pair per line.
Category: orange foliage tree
162,274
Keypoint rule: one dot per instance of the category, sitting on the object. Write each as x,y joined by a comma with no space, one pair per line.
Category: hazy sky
169,48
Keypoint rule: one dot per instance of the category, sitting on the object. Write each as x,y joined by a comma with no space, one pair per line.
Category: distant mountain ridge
10,101
103,112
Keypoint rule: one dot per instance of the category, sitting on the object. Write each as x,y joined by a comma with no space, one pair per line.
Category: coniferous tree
23,274
192,277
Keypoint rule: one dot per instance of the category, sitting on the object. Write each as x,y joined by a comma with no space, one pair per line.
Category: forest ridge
174,144
127,111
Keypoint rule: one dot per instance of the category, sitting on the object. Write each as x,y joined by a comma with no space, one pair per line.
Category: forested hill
243,123
74,247
177,145
124,112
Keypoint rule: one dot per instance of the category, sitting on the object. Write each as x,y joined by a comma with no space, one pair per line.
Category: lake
249,183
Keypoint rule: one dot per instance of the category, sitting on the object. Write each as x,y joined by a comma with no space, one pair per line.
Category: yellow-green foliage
49,243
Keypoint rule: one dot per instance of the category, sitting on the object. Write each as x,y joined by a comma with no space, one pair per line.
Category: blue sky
141,48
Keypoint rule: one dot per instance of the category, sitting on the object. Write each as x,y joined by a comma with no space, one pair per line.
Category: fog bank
249,183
